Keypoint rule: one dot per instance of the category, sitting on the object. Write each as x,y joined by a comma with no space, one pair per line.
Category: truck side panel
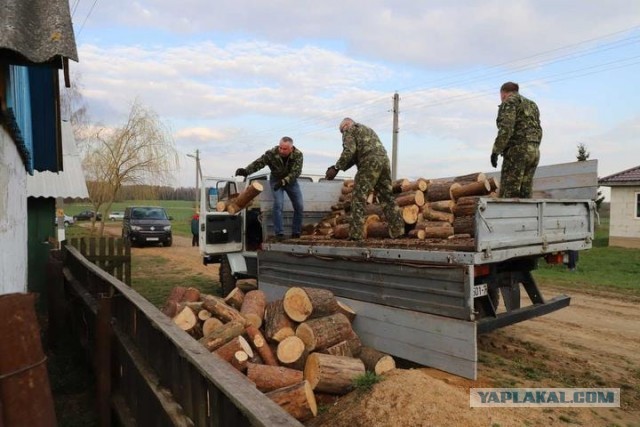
435,341
436,289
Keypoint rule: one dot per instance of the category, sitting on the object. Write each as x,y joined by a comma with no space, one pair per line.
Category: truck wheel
227,281
167,243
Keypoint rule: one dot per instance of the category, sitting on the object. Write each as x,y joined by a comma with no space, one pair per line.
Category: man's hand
331,173
494,160
241,172
281,183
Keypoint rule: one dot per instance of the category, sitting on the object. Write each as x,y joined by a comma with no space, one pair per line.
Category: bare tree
142,151
74,109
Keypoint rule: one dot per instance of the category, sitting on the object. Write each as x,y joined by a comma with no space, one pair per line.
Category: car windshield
148,213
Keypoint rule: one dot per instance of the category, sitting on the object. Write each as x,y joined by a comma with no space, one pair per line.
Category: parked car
113,216
146,224
68,220
87,216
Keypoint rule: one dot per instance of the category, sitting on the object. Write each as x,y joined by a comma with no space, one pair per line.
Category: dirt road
595,342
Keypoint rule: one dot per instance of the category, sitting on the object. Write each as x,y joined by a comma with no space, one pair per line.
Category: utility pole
198,173
394,147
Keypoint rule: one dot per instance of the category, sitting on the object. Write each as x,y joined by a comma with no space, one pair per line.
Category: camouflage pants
518,167
375,175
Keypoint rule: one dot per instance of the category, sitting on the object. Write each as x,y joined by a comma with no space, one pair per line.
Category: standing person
518,141
362,147
285,162
195,228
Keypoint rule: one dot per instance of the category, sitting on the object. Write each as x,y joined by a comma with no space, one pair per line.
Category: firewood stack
431,209
292,349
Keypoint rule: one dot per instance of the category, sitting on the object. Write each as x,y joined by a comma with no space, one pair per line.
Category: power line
87,17
75,6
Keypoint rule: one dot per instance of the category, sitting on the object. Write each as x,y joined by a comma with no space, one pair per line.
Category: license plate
480,290
155,239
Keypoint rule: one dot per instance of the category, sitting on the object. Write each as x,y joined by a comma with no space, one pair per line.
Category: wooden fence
148,371
111,254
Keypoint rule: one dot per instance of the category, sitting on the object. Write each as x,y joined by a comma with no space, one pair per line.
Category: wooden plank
440,342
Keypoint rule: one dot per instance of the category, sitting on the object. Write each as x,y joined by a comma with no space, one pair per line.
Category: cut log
464,225
429,224
440,190
258,342
222,335
210,325
466,206
343,348
291,352
399,184
245,197
347,311
416,234
473,189
235,298
437,232
332,374
410,198
472,177
459,236
420,184
221,206
221,310
431,215
175,296
247,285
253,307
354,342
185,319
298,400
192,295
443,206
345,198
268,378
240,360
374,210
346,189
301,304
410,214
376,361
494,184
227,351
277,325
203,315
377,230
193,306
341,231
318,334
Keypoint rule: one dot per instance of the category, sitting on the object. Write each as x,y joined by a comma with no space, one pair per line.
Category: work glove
331,173
278,185
241,172
494,160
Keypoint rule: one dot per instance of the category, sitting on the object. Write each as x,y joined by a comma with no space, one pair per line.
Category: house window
638,205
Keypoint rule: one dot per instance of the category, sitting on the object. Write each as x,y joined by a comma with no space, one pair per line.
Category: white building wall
623,222
13,218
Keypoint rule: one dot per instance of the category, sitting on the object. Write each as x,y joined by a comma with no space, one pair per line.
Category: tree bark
431,215
376,361
240,360
227,351
341,231
399,184
416,234
277,325
245,197
324,332
410,198
298,400
440,190
466,206
420,184
443,206
302,304
175,296
437,232
221,310
341,349
464,225
253,307
192,295
472,177
480,188
258,342
377,230
268,378
210,325
332,374
347,311
235,298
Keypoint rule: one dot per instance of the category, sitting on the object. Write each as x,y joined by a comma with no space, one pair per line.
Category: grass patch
366,381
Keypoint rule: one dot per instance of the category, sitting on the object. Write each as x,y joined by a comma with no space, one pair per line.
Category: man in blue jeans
285,162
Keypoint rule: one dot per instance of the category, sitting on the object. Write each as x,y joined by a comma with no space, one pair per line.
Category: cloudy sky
231,77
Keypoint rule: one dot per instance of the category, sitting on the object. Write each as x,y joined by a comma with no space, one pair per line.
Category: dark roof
38,31
627,177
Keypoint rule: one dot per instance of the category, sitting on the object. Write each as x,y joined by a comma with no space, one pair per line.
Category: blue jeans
295,195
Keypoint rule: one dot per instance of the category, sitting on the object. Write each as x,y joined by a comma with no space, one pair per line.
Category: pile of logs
431,209
295,349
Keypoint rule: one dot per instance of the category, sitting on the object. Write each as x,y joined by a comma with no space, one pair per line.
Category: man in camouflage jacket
362,147
285,162
518,141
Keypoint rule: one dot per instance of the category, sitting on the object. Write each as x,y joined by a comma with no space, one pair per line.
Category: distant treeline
153,192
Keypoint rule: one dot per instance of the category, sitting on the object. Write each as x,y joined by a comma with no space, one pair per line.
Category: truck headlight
136,228
167,228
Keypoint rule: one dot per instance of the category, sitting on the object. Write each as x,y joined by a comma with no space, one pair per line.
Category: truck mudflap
488,324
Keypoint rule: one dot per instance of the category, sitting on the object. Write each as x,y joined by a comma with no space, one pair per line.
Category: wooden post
103,361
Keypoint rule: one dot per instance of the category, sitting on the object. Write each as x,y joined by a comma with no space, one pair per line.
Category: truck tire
227,281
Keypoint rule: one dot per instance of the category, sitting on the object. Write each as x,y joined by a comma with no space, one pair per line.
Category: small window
638,205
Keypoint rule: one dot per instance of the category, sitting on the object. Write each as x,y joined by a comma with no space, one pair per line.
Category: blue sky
232,77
